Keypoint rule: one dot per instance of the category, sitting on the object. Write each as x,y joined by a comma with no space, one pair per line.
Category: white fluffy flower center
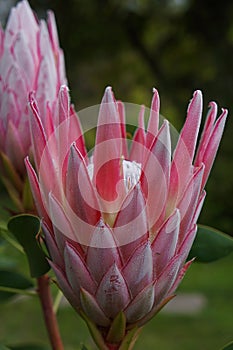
131,172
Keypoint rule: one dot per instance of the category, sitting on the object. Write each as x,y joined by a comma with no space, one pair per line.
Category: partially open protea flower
30,59
119,224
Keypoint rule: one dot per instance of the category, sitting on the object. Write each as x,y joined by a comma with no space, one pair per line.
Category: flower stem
44,293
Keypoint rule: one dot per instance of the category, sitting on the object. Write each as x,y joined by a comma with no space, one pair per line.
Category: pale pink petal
24,58
183,155
45,83
61,223
6,62
33,179
164,245
155,309
112,294
52,247
153,122
183,250
140,305
167,278
79,190
206,133
189,202
37,131
58,53
138,271
172,274
92,309
48,123
131,224
73,299
42,152
16,82
22,17
61,68
76,270
199,206
190,131
9,108
102,248
155,175
64,104
76,132
180,277
121,111
210,150
52,28
62,123
139,140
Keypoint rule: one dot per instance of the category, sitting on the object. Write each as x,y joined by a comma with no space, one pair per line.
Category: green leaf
117,330
228,346
12,280
210,245
25,228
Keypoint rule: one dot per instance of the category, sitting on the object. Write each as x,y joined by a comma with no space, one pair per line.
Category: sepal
130,339
96,335
117,330
92,309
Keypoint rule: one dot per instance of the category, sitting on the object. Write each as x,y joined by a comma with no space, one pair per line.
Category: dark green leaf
210,244
117,330
25,228
228,346
14,280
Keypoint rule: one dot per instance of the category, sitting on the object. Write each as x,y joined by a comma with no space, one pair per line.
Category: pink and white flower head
119,223
30,59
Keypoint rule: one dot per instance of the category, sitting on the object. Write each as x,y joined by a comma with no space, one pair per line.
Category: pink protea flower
30,59
119,224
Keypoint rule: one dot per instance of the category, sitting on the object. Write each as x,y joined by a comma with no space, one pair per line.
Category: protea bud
119,224
30,59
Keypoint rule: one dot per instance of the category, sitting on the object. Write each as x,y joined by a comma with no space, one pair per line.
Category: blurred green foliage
175,45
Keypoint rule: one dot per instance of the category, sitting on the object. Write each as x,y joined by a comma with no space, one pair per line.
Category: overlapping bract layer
30,59
119,225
